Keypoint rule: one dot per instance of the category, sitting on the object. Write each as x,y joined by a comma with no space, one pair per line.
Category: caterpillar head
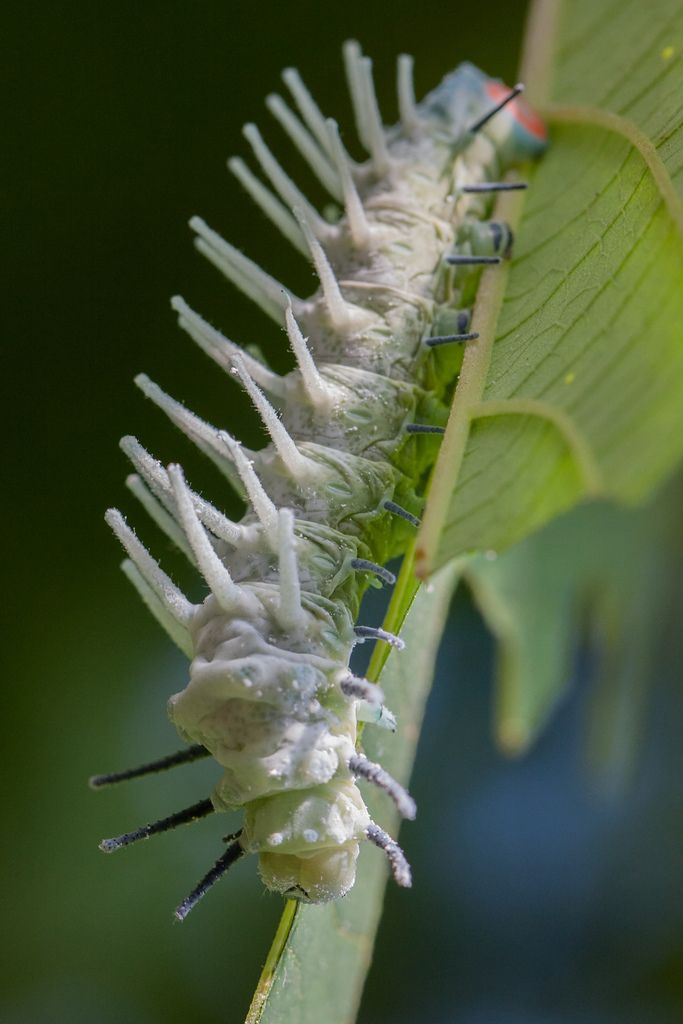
466,94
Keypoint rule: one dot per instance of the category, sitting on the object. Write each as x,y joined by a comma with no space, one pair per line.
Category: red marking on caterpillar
519,109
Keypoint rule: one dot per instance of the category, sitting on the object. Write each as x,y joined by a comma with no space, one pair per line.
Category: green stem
265,982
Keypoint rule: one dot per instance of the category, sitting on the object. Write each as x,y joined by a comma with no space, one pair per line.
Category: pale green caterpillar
353,430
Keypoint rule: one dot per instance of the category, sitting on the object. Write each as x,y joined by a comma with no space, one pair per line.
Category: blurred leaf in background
602,567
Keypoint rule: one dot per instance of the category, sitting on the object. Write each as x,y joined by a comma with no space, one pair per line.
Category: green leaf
581,392
531,598
321,954
602,564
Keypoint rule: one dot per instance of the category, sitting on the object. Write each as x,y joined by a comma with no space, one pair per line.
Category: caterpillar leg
224,862
184,817
192,753
376,714
370,707
373,633
372,772
400,868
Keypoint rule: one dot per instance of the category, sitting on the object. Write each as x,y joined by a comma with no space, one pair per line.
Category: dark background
537,899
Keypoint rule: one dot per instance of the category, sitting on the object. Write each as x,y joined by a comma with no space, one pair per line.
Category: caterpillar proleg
338,491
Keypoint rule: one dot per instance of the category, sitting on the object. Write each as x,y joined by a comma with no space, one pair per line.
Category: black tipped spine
184,817
222,865
186,756
479,124
363,565
424,428
402,513
451,339
463,260
496,186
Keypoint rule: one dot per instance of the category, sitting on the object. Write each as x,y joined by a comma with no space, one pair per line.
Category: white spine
264,198
321,394
290,613
410,121
335,303
156,478
229,596
201,433
354,76
282,183
178,634
359,226
159,515
377,142
173,600
264,508
305,143
246,275
298,466
222,350
309,109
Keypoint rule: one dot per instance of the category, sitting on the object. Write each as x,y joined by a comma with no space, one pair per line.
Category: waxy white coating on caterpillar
269,693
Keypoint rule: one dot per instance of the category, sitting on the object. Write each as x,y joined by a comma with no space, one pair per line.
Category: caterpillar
338,490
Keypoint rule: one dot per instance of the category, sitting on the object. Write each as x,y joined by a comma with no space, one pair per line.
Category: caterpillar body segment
336,492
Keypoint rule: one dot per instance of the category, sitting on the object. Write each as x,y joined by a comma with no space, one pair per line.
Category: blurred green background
537,899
